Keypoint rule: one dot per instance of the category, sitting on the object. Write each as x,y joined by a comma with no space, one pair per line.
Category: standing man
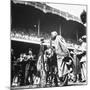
29,68
61,52
13,58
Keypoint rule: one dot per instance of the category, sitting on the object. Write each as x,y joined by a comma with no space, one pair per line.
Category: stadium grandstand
31,21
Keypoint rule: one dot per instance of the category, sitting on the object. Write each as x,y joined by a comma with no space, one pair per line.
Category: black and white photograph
48,44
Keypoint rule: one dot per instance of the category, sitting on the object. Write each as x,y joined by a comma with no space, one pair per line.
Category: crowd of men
52,66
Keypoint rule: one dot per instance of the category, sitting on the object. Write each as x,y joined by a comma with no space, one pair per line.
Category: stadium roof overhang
48,9
35,42
71,29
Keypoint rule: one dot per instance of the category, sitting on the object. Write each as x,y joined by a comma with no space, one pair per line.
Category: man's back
60,46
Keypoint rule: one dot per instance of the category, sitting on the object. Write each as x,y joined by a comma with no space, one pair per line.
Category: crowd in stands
29,36
33,36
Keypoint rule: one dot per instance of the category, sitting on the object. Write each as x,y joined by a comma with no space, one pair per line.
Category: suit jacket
60,46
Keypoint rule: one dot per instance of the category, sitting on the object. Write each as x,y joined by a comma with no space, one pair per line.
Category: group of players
52,66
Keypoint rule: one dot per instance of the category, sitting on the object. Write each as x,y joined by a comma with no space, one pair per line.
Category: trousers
62,68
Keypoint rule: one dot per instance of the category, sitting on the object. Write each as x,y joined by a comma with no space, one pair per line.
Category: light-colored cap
54,33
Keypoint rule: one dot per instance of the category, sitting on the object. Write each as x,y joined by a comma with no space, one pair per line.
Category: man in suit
61,52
